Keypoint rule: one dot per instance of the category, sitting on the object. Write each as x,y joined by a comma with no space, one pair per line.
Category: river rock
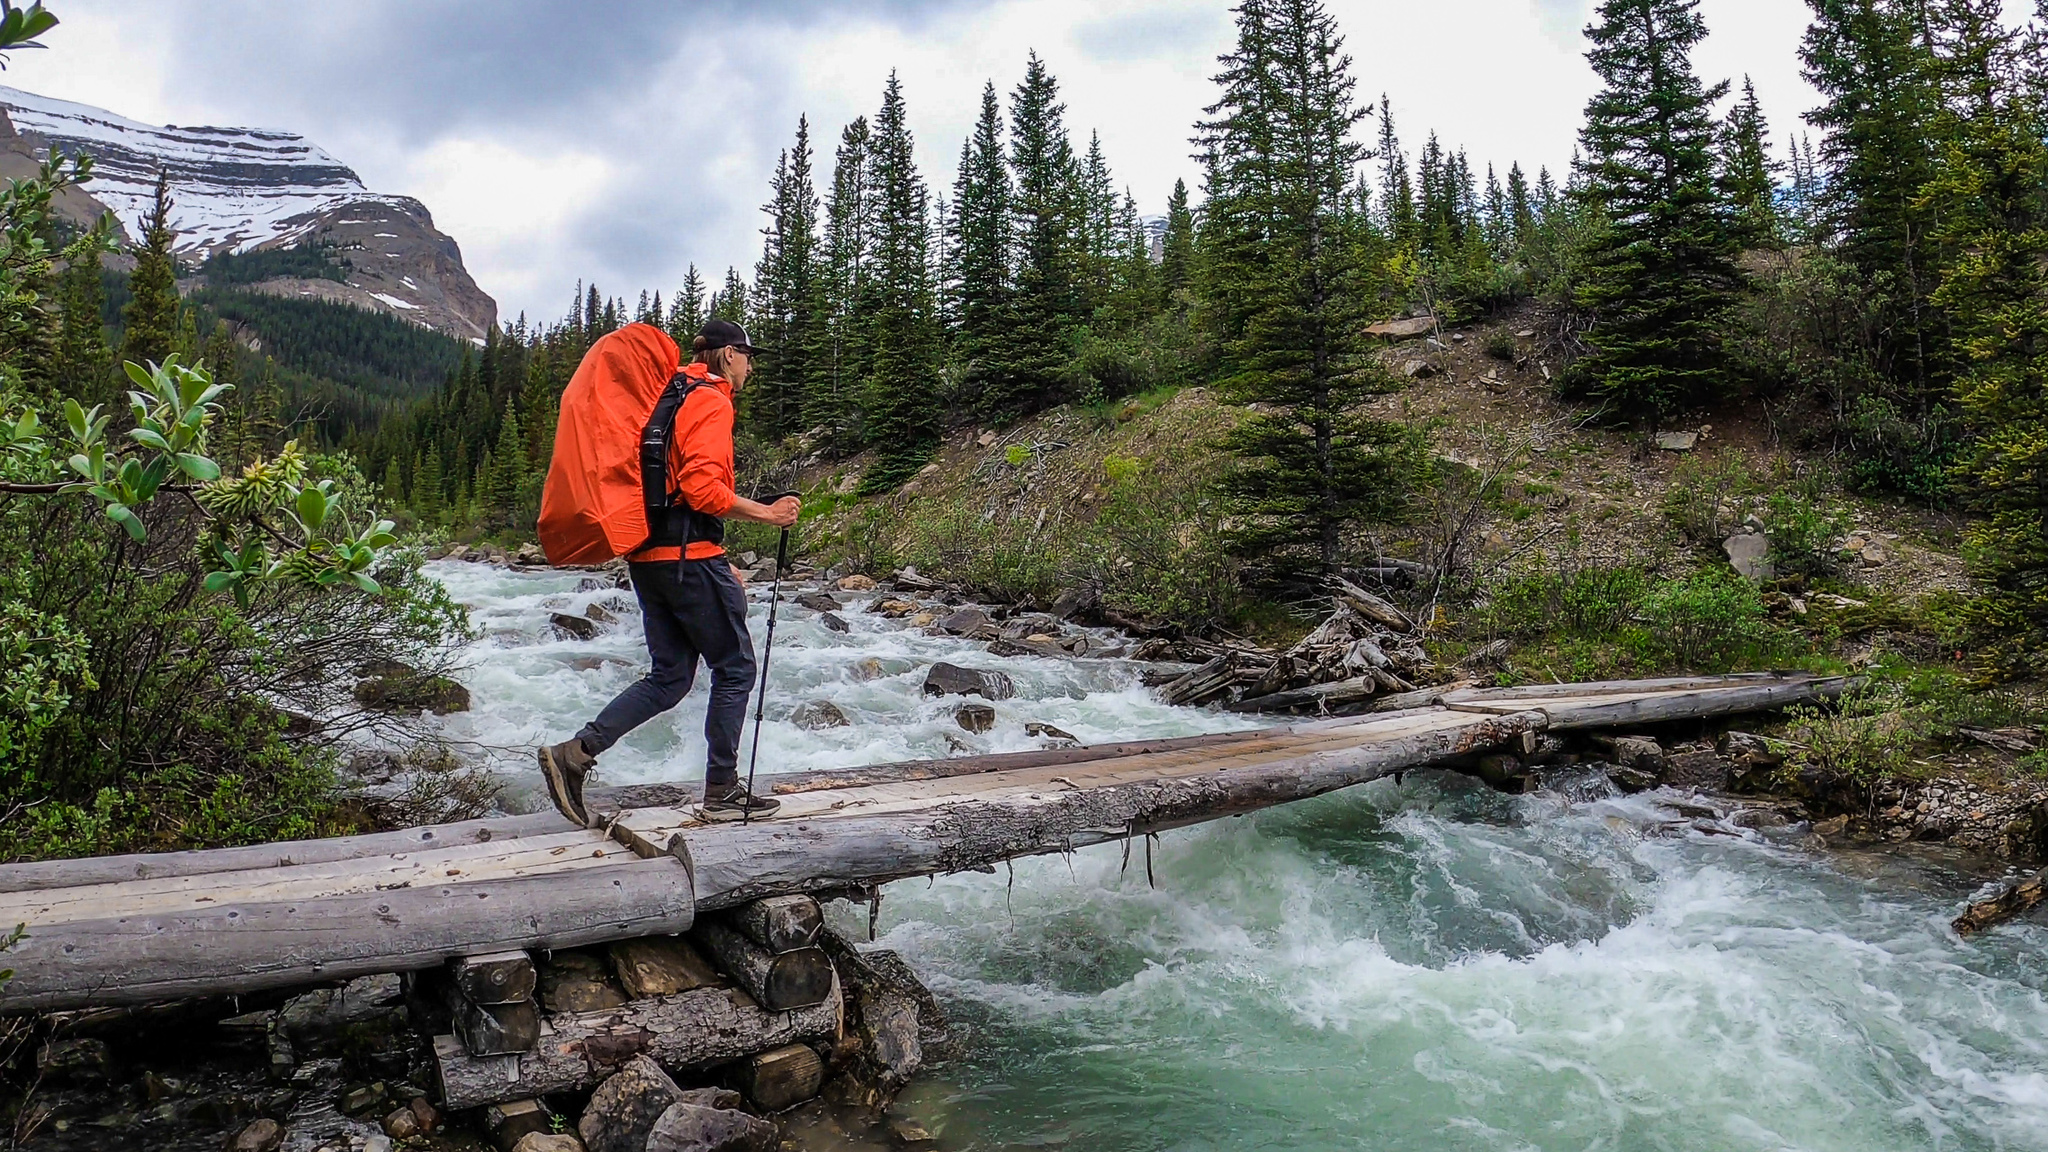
1075,601
263,1135
548,1142
833,623
599,614
975,718
389,686
964,621
1749,554
623,1110
1635,752
1034,728
812,715
573,627
869,668
402,1125
685,1127
893,608
367,1013
923,620
855,583
819,602
1700,768
79,1059
944,679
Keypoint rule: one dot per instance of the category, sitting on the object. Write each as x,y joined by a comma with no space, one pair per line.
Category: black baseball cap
726,334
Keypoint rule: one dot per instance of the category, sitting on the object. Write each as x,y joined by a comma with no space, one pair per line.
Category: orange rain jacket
593,509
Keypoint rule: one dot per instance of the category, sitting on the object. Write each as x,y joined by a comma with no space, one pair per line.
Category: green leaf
365,583
124,516
137,373
198,467
76,418
312,507
220,581
148,438
28,425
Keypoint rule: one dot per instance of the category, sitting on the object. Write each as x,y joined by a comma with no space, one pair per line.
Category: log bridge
459,899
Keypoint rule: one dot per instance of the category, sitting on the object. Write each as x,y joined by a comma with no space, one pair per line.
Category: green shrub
1862,738
1707,497
1803,532
1709,622
1500,344
1158,549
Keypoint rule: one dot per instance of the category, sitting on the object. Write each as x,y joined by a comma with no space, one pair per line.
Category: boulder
1035,728
1635,752
893,608
855,583
1418,369
923,620
592,584
870,668
692,1128
819,602
1874,556
1677,441
1403,328
1632,779
1699,768
833,623
975,717
965,620
263,1135
812,715
548,1142
389,686
944,679
1074,602
573,627
599,614
428,1117
402,1125
1749,554
623,1110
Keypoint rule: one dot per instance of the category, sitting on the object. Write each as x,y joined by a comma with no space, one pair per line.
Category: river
1422,965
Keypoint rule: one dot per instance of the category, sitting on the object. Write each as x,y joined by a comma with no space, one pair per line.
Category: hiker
692,601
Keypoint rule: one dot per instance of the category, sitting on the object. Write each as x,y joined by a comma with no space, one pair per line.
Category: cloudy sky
620,140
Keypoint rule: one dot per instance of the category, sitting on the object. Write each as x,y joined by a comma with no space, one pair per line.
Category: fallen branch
2015,901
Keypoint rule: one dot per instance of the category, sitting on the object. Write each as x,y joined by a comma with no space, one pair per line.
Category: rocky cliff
239,190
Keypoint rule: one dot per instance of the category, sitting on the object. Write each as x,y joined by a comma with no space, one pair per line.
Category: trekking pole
767,649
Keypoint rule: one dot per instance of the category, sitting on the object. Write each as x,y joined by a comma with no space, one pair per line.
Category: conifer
150,321
1662,275
980,267
784,295
82,369
1177,250
900,401
1046,208
1749,175
839,362
686,311
428,488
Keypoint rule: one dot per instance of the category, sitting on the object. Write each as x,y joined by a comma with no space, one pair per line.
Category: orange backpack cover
592,509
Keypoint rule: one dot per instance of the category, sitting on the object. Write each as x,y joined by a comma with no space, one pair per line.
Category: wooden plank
249,947
1617,687
565,851
143,866
1662,707
577,1050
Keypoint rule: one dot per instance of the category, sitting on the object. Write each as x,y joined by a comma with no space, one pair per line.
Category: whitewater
1415,965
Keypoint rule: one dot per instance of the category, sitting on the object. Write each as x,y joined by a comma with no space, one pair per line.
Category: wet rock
1012,648
79,1060
389,686
263,1135
869,668
813,715
944,679
975,718
923,620
1635,752
598,613
425,1114
578,982
573,627
966,621
623,1110
1074,602
1749,554
855,583
893,608
1034,728
819,602
548,1142
833,623
691,1128
1631,779
366,1014
1698,768
401,1124
592,584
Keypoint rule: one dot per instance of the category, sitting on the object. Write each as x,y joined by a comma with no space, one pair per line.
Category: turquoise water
1416,966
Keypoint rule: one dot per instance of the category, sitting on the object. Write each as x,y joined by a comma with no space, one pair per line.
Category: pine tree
82,356
980,265
840,361
1283,254
900,403
1988,199
1749,176
730,302
150,321
784,293
393,489
1096,217
686,313
428,488
1177,250
1397,194
505,471
1047,299
1521,212
1662,276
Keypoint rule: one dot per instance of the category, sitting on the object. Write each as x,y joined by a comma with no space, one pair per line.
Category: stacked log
491,1005
1364,651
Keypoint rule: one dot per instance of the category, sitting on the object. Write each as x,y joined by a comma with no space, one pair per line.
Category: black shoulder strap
656,438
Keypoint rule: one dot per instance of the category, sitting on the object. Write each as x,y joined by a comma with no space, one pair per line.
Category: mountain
239,191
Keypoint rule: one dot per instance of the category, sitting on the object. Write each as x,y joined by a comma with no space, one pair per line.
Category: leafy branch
271,523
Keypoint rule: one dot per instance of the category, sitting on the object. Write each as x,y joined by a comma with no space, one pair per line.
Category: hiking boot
564,766
734,802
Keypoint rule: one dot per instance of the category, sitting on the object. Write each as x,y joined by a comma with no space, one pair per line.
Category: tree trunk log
494,1029
789,980
780,1077
248,947
577,1050
2017,900
499,978
1334,694
781,923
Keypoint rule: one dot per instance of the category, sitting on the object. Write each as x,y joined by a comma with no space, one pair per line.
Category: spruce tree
505,471
1521,211
393,488
82,360
1662,275
980,265
1749,175
784,294
1177,250
1046,208
1992,226
150,321
1397,193
730,302
686,311
900,407
429,491
839,362
1283,253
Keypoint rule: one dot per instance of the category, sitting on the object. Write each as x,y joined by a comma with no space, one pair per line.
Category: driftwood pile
1365,650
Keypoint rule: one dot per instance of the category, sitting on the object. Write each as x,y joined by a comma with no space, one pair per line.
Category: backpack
607,492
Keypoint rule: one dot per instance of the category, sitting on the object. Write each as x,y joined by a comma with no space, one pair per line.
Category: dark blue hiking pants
692,610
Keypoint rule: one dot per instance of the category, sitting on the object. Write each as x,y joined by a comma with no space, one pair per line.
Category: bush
1709,496
1803,534
1158,549
1709,622
1861,738
1500,344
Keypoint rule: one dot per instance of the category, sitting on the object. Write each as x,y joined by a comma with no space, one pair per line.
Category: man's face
738,366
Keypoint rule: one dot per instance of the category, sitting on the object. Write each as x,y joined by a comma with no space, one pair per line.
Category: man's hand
784,512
